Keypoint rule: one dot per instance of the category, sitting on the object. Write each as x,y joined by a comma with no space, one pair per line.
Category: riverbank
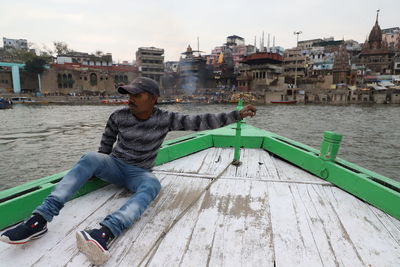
179,99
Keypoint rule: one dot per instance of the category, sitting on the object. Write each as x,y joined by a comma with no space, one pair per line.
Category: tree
61,48
36,66
99,53
18,55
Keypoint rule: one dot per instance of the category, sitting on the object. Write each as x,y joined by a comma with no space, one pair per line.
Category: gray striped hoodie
138,141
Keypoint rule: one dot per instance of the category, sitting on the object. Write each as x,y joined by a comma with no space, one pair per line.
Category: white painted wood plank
206,162
331,240
249,166
181,164
65,251
261,178
269,167
172,248
137,242
293,241
217,161
232,228
288,171
391,224
60,229
375,245
245,238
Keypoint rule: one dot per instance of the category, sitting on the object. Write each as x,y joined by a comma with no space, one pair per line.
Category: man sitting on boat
138,131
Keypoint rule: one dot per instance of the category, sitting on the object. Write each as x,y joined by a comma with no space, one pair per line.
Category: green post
236,155
330,146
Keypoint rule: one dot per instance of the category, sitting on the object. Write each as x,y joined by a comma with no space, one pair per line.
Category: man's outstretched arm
180,122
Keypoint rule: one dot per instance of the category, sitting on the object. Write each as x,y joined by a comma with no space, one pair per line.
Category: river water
37,141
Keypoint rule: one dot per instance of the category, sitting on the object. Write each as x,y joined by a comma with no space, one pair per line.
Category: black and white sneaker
33,228
93,243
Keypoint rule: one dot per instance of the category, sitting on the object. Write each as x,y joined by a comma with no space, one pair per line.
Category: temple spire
377,15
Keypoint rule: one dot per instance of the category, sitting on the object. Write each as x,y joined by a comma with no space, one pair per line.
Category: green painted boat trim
382,192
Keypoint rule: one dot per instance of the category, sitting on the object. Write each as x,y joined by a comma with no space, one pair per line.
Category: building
76,78
19,44
294,65
85,59
376,54
150,61
341,67
307,44
392,37
234,48
234,40
259,71
319,62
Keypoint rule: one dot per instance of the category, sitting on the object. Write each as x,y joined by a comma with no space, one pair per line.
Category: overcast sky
121,26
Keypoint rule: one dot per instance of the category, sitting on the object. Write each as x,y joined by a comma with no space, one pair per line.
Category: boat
284,102
22,100
5,104
115,101
166,102
232,196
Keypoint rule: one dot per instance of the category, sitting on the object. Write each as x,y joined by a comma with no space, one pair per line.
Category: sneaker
93,243
33,228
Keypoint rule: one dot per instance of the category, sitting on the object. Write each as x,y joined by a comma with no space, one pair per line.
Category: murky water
37,141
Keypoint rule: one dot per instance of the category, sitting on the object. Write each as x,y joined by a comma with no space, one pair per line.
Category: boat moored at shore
5,103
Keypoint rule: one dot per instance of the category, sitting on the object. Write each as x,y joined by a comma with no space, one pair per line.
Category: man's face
141,103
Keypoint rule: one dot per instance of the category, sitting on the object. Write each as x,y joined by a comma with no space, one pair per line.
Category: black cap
139,85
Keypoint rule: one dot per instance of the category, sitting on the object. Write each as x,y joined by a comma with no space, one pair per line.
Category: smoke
190,82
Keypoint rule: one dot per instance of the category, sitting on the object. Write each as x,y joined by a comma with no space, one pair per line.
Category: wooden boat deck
265,212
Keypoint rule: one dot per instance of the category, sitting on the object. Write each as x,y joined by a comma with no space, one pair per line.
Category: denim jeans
110,169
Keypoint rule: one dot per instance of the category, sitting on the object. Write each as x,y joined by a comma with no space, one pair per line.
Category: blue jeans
110,169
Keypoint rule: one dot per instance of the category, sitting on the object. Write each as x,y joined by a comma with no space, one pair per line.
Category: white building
20,44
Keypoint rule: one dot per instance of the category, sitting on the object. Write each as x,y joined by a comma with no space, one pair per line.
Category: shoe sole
91,248
23,241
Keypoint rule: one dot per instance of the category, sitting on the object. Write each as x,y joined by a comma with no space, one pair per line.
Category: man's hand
248,110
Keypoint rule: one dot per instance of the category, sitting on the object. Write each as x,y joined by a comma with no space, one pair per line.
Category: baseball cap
139,85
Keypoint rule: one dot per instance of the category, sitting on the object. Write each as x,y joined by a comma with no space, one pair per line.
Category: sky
120,27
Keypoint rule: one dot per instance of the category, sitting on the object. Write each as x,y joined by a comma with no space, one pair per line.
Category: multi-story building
86,79
150,61
259,71
20,44
234,40
307,44
320,62
294,64
392,37
85,59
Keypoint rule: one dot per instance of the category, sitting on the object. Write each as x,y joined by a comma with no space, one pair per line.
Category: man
138,131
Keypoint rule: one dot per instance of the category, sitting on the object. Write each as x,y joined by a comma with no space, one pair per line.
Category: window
93,79
65,80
